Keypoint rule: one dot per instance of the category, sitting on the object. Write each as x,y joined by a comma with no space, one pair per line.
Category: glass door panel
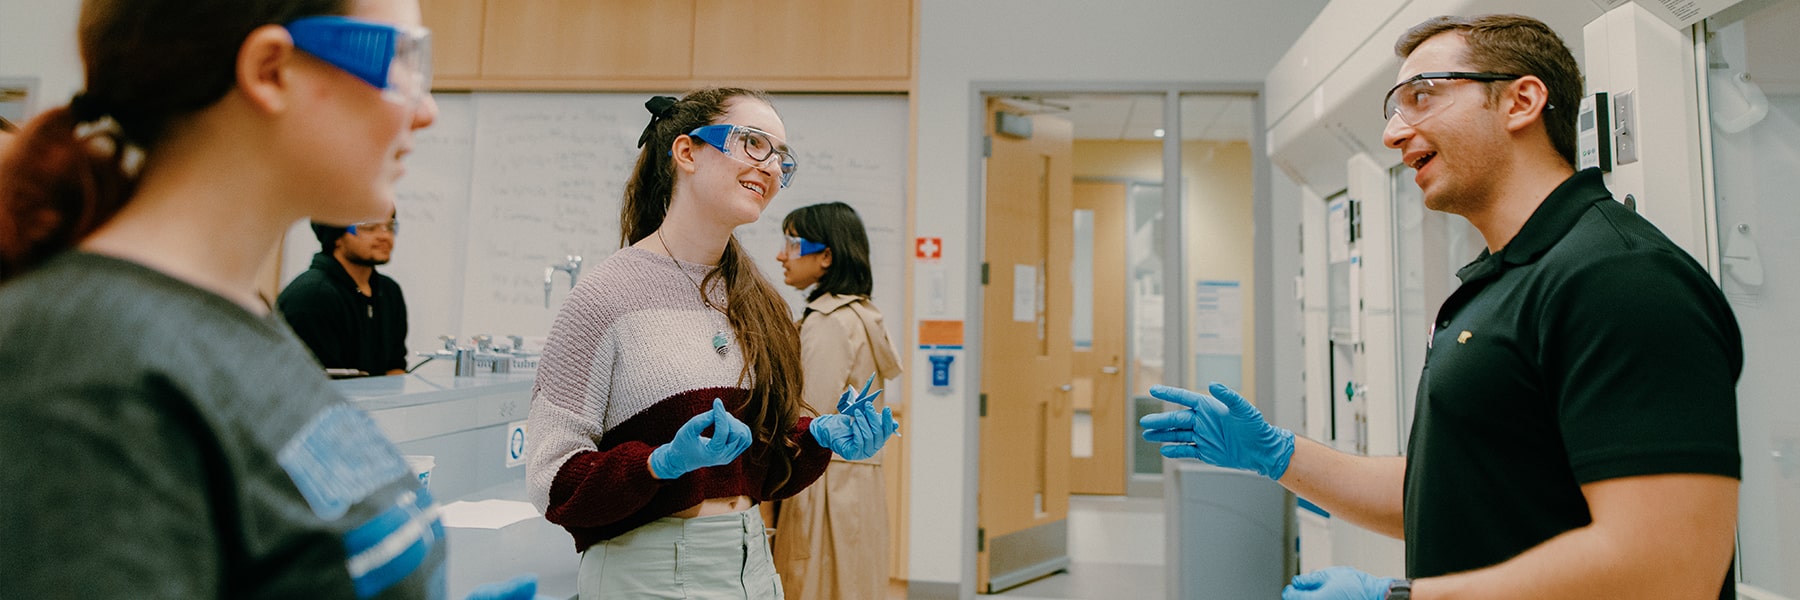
1753,85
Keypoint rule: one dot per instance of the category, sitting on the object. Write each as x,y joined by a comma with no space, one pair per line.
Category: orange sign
939,334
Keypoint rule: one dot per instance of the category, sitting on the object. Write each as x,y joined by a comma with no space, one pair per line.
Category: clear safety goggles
390,226
798,246
1426,94
395,59
750,146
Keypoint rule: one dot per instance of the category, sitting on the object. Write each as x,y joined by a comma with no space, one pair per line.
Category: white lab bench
464,423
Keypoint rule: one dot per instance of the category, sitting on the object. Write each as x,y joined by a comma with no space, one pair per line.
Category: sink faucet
463,355
571,264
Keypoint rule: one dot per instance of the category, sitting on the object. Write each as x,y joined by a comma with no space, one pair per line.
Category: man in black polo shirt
1576,425
350,316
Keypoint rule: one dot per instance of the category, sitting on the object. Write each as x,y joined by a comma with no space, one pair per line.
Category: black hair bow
659,107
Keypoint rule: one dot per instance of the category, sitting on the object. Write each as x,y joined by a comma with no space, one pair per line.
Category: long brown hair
148,63
765,328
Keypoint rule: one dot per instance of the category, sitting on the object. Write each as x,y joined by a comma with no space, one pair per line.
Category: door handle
1109,370
1066,387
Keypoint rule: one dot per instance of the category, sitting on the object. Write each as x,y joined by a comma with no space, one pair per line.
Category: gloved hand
859,433
523,587
851,397
689,451
1337,583
1223,430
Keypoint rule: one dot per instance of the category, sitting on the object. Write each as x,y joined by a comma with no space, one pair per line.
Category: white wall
1226,43
37,39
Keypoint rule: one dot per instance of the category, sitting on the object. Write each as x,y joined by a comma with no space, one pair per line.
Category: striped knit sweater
629,360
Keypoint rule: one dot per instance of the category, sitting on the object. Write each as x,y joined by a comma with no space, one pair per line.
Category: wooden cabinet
588,39
455,37
803,39
671,45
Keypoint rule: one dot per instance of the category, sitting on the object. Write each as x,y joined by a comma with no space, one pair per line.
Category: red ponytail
55,189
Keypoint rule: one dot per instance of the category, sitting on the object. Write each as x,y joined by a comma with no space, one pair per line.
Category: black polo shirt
343,328
1589,348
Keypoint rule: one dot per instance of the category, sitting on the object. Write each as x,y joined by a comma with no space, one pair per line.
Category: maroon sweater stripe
601,494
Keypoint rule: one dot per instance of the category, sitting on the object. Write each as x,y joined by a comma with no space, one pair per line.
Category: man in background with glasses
351,317
1575,432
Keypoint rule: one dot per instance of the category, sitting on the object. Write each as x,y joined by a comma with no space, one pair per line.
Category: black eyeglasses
1420,96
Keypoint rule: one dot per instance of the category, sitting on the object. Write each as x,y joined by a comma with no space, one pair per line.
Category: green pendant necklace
721,343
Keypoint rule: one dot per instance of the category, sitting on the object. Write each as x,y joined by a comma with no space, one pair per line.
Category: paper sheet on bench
486,514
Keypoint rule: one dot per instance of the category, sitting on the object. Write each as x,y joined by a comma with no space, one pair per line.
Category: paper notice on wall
1682,13
1219,318
1337,230
1025,288
1677,13
1149,317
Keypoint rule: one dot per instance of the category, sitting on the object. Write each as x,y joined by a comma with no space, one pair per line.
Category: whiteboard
504,184
431,202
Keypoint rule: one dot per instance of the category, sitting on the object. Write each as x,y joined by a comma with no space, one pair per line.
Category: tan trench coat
831,541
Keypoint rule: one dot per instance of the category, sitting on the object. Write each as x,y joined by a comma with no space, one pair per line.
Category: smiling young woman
668,401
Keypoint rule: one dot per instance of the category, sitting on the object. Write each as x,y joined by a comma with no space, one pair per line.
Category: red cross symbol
928,248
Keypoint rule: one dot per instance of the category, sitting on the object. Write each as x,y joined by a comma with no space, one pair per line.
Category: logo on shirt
1463,338
339,458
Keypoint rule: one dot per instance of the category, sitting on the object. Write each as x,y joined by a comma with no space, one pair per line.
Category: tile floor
1115,551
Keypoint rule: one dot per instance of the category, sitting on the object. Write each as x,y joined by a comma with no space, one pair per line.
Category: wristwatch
1400,589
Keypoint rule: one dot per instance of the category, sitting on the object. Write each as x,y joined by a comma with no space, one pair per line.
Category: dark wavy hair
837,226
148,63
765,328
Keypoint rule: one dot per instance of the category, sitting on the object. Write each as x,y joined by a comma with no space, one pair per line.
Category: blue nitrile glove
858,433
523,587
689,451
1223,429
1337,583
851,397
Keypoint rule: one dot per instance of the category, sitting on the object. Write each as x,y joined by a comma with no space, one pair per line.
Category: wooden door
1099,400
1024,493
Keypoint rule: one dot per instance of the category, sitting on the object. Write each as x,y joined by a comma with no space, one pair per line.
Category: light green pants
718,557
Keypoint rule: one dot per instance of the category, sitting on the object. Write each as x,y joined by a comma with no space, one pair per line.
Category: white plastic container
421,466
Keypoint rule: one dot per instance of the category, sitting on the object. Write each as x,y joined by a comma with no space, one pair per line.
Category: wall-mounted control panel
1593,134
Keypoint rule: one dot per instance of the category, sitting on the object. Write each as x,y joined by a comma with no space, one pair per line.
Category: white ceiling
1138,116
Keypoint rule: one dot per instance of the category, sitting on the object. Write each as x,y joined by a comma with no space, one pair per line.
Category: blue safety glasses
750,146
798,246
388,226
393,58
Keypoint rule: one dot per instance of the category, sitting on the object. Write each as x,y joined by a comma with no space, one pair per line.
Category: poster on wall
1219,318
1219,332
